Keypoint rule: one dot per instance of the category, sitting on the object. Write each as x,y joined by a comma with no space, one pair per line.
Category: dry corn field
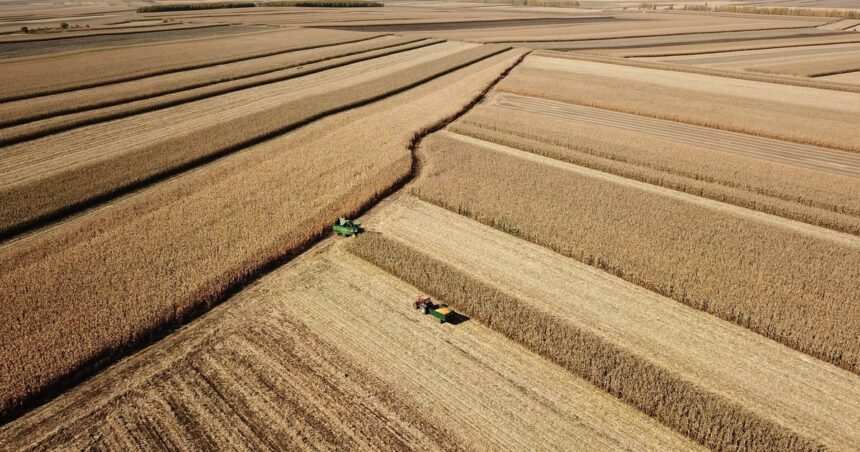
645,225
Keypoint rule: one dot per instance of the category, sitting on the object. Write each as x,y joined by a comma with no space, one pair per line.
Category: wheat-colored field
328,351
803,115
45,176
738,264
206,231
618,336
30,110
104,66
651,240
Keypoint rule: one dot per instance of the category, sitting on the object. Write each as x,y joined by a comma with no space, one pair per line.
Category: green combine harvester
347,228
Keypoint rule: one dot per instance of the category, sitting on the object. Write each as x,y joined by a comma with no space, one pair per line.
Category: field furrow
758,379
790,113
45,177
208,231
804,156
738,264
28,110
103,67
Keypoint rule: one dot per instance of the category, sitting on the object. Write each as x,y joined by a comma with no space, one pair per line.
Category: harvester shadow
457,318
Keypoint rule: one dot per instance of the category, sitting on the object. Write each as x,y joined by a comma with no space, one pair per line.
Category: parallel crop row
797,193
794,283
689,408
25,204
91,287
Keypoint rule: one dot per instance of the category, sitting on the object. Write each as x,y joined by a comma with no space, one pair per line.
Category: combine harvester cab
426,306
347,228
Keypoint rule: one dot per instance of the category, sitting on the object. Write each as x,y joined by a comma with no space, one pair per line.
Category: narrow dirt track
805,156
806,395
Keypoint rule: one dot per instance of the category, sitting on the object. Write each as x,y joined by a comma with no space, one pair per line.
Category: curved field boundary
212,232
191,88
176,69
49,199
794,81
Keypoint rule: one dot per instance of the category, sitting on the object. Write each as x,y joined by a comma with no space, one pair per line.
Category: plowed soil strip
805,156
808,396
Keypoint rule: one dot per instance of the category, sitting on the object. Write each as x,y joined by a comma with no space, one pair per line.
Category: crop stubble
718,383
207,231
740,265
45,176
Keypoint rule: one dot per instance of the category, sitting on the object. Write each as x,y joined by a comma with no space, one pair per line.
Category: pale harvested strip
672,39
812,67
841,24
102,284
114,65
849,77
242,377
739,264
796,193
804,156
43,177
496,394
709,48
122,108
744,58
128,28
51,47
791,113
810,397
26,110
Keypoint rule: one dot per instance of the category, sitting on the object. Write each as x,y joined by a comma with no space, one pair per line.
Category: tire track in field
800,155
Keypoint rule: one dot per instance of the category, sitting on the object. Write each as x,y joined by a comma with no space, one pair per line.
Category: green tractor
442,313
347,228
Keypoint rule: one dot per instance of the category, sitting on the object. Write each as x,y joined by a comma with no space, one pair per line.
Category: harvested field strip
754,57
813,67
45,107
686,37
48,47
707,378
820,159
802,115
296,348
40,186
769,78
470,24
137,63
269,384
740,265
209,231
78,34
848,77
798,194
711,48
481,376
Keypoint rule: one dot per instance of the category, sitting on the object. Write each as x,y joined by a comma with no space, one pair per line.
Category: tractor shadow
457,319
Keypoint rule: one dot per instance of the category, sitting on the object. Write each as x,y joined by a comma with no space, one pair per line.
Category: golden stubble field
651,231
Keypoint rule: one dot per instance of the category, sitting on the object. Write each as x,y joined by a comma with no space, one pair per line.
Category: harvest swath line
770,78
300,241
33,131
63,212
191,86
173,70
807,156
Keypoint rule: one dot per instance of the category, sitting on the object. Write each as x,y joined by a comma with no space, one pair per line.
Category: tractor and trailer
350,228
